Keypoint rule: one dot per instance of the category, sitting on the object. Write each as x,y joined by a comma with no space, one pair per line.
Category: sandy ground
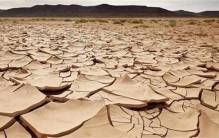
109,77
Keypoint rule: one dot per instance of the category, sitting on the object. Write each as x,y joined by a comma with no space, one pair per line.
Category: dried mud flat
109,78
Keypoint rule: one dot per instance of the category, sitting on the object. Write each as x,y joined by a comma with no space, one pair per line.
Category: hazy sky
191,5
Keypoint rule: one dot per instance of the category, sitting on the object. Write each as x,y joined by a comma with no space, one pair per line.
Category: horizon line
99,5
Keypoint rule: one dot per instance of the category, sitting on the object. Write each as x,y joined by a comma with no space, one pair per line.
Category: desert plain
112,78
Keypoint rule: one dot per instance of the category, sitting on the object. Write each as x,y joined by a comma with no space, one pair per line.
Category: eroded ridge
63,79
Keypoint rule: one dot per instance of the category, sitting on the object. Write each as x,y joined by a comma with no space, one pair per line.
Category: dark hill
1,11
103,10
209,13
185,13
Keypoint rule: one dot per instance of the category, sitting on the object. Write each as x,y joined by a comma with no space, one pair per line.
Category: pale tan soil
64,78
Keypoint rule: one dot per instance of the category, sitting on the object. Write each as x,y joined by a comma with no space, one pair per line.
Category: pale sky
190,5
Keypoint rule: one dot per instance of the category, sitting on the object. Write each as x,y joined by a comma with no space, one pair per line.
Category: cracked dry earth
60,79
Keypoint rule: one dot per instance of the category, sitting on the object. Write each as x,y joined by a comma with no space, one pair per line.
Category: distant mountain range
103,10
210,13
186,13
1,11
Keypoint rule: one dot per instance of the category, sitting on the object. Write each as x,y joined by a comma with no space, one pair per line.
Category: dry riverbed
109,77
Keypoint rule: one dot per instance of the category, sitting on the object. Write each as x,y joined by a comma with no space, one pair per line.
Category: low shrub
117,22
191,22
155,21
81,21
67,20
123,20
172,23
102,20
142,26
92,20
136,21
209,21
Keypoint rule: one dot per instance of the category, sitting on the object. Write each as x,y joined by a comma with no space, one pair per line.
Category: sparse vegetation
15,22
155,21
172,23
45,19
209,21
191,22
140,21
142,26
123,20
81,21
92,20
117,22
67,20
102,20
